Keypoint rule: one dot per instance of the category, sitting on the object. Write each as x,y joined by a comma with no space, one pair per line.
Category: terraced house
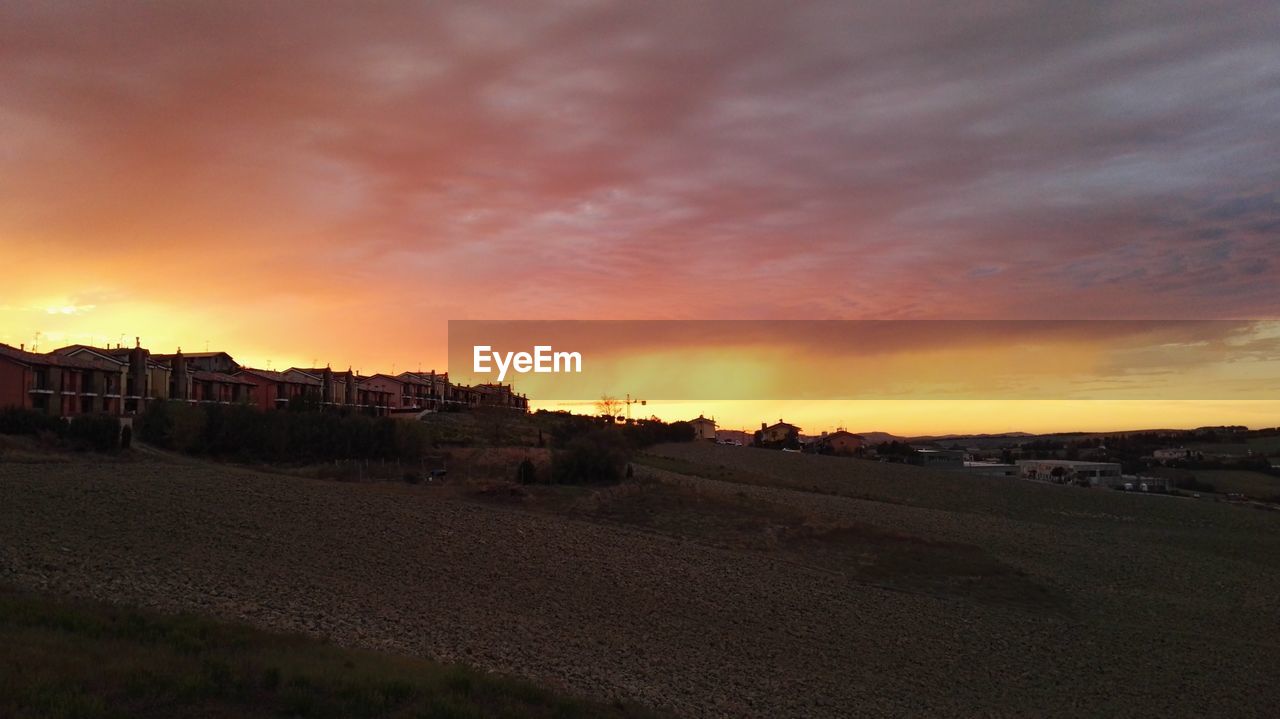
276,390
145,379
203,377
421,390
80,379
59,384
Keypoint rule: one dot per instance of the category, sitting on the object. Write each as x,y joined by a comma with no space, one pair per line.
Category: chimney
23,346
764,425
138,370
179,376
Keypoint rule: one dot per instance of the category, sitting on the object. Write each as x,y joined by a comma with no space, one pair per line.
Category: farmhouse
840,442
733,436
781,434
703,428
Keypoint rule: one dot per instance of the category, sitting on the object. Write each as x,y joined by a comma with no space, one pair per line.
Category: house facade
841,442
379,394
780,434
421,390
60,385
146,380
703,428
277,390
80,379
502,395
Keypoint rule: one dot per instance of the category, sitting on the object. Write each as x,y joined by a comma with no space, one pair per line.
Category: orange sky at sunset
305,188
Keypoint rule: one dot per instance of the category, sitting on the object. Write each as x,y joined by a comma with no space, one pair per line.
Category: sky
310,183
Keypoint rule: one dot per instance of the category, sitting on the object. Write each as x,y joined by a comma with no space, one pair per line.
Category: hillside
723,582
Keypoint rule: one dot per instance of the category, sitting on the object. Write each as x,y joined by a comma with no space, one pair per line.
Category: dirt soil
1161,607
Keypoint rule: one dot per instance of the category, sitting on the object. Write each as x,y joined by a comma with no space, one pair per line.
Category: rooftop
54,360
280,376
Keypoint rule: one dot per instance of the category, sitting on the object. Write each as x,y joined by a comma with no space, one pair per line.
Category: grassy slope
80,659
737,521
1252,484
1117,556
1257,445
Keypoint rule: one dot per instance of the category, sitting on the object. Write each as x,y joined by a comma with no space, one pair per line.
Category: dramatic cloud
327,180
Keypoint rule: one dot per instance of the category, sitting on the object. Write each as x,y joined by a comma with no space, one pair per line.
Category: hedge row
96,432
245,433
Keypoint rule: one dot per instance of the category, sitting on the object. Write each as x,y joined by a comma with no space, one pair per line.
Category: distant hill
878,437
1005,435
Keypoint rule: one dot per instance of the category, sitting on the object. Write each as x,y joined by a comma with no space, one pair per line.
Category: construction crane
630,401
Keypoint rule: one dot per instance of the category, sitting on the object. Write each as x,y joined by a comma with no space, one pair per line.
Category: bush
242,432
600,456
173,425
15,420
98,432
526,473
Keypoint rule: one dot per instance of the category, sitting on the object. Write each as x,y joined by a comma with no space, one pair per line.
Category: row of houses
82,379
780,435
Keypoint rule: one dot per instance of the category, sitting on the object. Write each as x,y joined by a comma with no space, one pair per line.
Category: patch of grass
1256,485
1257,445
79,659
1251,484
740,476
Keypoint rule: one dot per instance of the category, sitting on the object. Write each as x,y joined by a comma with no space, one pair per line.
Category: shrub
173,425
98,432
245,433
526,473
15,420
600,456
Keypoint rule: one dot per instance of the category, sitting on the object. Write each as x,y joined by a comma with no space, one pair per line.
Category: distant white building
992,469
1069,470
941,458
1176,453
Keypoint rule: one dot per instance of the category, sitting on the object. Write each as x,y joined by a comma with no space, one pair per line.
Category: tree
608,406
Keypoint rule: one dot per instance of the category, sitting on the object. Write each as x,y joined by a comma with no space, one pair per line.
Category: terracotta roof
206,376
361,379
194,354
280,376
118,356
338,375
418,378
53,360
844,433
